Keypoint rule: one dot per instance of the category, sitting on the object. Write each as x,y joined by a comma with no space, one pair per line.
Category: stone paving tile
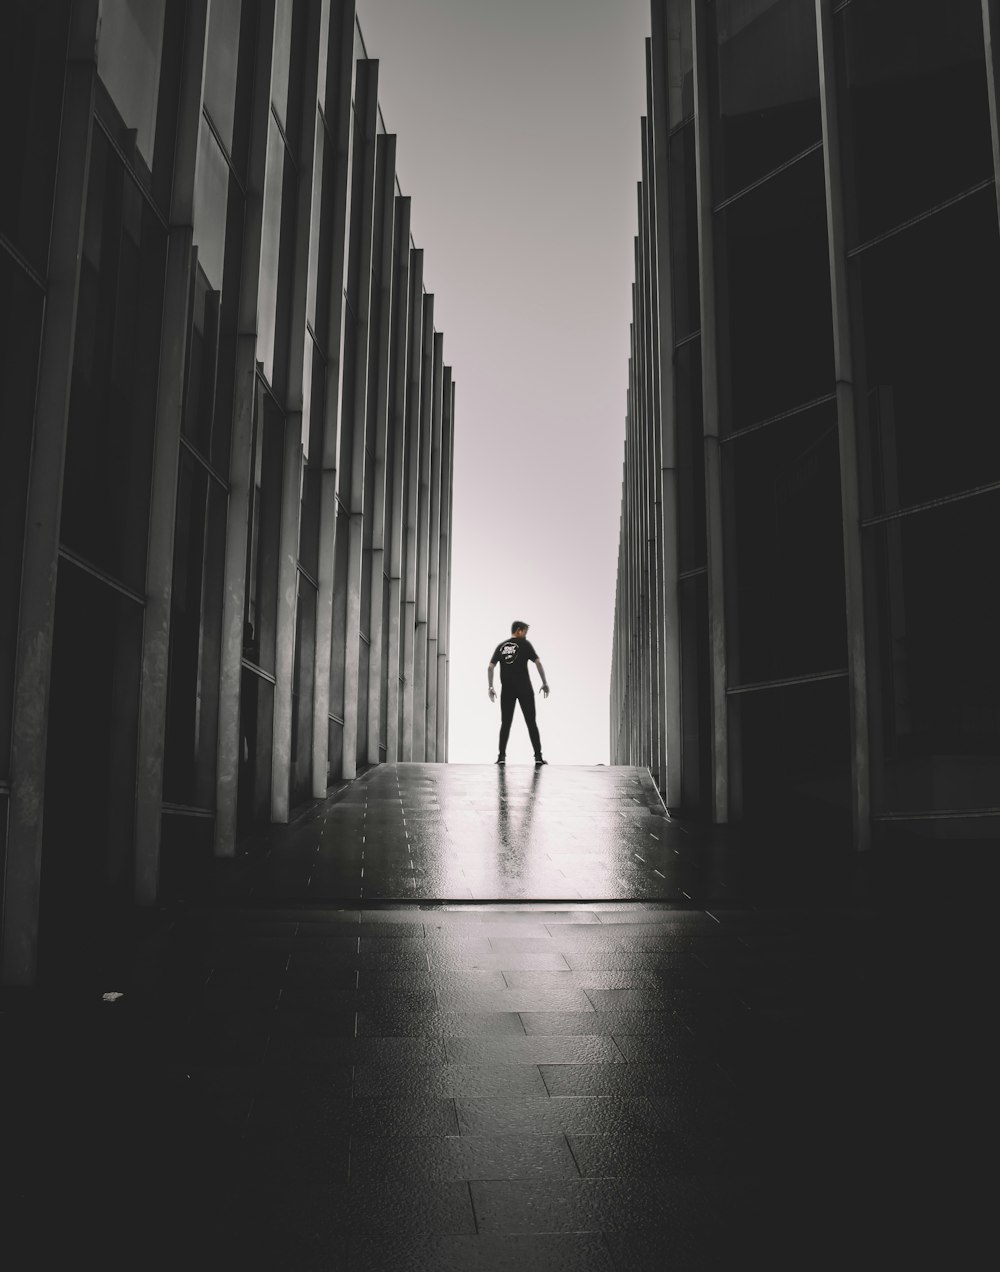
393,1022
607,1205
569,1115
463,1157
565,1252
400,1078
535,1050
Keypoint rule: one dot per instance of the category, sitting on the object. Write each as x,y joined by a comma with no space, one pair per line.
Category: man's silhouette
515,686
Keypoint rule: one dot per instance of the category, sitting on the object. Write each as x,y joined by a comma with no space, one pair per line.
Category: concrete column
362,238
166,463
395,550
663,354
291,464
649,481
385,178
414,360
434,550
444,571
241,452
339,121
36,613
423,534
710,421
991,38
446,630
847,431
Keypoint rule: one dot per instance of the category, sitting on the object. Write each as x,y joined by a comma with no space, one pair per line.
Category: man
515,686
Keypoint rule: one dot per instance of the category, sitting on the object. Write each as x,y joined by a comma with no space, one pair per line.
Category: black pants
510,696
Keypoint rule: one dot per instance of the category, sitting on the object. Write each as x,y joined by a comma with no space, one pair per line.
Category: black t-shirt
513,655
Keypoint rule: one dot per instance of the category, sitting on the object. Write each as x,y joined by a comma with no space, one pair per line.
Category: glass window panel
211,204
270,247
20,340
195,633
256,732
262,549
222,49
277,247
680,63
32,64
280,59
767,87
129,52
113,399
795,748
90,764
774,275
916,108
684,271
302,692
785,610
939,629
690,456
931,330
201,362
696,727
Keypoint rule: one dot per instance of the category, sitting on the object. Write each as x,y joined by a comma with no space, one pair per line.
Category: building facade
807,611
227,448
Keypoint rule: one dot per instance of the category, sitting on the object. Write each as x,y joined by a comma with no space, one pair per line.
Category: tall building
807,613
227,446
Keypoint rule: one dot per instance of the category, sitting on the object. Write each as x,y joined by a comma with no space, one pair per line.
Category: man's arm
544,691
489,674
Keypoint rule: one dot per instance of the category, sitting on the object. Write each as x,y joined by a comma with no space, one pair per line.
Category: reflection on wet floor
414,832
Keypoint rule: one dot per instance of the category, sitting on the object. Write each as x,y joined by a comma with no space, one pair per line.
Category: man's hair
516,624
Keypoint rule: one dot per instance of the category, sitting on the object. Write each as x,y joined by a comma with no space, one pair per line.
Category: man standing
515,686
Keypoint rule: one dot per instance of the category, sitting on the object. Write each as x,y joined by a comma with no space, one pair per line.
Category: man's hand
544,691
493,694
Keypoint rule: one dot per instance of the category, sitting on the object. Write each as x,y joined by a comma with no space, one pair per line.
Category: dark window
767,87
931,331
696,724
302,691
795,747
774,276
129,57
260,619
91,764
32,64
195,634
917,117
276,259
222,49
939,630
785,615
684,270
680,63
113,401
20,337
690,456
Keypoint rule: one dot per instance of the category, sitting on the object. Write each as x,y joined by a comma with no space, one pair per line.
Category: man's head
518,628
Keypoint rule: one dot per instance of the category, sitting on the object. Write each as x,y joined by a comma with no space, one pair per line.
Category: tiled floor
663,1082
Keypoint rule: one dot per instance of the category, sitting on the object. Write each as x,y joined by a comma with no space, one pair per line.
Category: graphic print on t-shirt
513,657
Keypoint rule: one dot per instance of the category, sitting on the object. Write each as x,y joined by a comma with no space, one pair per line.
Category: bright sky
518,127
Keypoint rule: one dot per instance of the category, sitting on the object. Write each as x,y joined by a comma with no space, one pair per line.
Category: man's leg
527,701
508,701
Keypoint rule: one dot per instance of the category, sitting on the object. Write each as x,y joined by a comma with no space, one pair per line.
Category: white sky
518,128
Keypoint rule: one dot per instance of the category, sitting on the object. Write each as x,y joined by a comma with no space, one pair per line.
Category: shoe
539,760
501,759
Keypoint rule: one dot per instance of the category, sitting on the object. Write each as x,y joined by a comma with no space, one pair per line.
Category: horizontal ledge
937,814
185,810
813,678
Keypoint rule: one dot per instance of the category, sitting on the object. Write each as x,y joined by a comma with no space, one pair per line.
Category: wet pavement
462,1019
466,832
